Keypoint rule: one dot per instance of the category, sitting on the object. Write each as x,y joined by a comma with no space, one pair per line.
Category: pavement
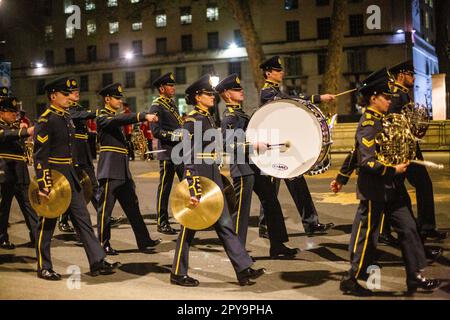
313,274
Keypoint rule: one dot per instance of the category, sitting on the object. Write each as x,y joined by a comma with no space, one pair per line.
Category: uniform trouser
167,170
265,190
83,227
20,191
124,191
302,198
365,231
90,171
419,178
234,249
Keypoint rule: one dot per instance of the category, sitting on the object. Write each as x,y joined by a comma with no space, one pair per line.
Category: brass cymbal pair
60,195
58,200
210,207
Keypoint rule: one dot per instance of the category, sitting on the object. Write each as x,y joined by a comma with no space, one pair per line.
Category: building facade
135,41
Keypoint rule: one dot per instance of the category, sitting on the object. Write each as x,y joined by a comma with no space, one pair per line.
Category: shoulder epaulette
44,116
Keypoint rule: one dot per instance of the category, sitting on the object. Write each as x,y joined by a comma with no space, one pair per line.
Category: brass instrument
206,213
139,142
397,143
58,200
86,185
418,117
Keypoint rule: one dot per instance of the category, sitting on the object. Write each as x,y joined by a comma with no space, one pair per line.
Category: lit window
113,3
67,4
161,20
90,5
49,33
136,26
70,32
91,27
427,20
185,15
212,14
113,27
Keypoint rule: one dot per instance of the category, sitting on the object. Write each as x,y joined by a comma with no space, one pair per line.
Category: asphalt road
313,274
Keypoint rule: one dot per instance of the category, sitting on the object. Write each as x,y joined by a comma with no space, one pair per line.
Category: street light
214,81
129,55
232,45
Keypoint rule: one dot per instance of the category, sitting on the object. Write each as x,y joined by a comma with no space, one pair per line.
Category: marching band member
298,188
113,171
416,175
380,188
247,177
54,141
83,156
14,164
200,94
169,120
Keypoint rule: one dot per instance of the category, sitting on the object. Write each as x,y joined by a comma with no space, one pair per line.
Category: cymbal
229,194
206,213
86,184
59,197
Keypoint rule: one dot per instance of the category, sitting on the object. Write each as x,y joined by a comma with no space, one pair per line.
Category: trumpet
139,142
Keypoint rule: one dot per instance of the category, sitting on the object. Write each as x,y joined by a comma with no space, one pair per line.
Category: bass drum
297,134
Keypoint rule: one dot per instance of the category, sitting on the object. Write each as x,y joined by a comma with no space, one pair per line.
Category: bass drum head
285,121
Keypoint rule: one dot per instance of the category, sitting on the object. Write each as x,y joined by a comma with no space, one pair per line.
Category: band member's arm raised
41,153
157,129
7,135
106,121
80,114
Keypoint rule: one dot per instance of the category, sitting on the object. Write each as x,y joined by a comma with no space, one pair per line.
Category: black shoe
110,251
318,228
184,281
433,234
149,245
103,268
351,286
419,281
30,244
114,222
263,233
282,251
65,227
248,274
7,245
48,274
433,253
166,229
388,239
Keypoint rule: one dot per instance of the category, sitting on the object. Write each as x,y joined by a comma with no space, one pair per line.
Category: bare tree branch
242,15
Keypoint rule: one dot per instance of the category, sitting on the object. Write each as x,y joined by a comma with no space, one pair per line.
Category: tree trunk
335,46
242,15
